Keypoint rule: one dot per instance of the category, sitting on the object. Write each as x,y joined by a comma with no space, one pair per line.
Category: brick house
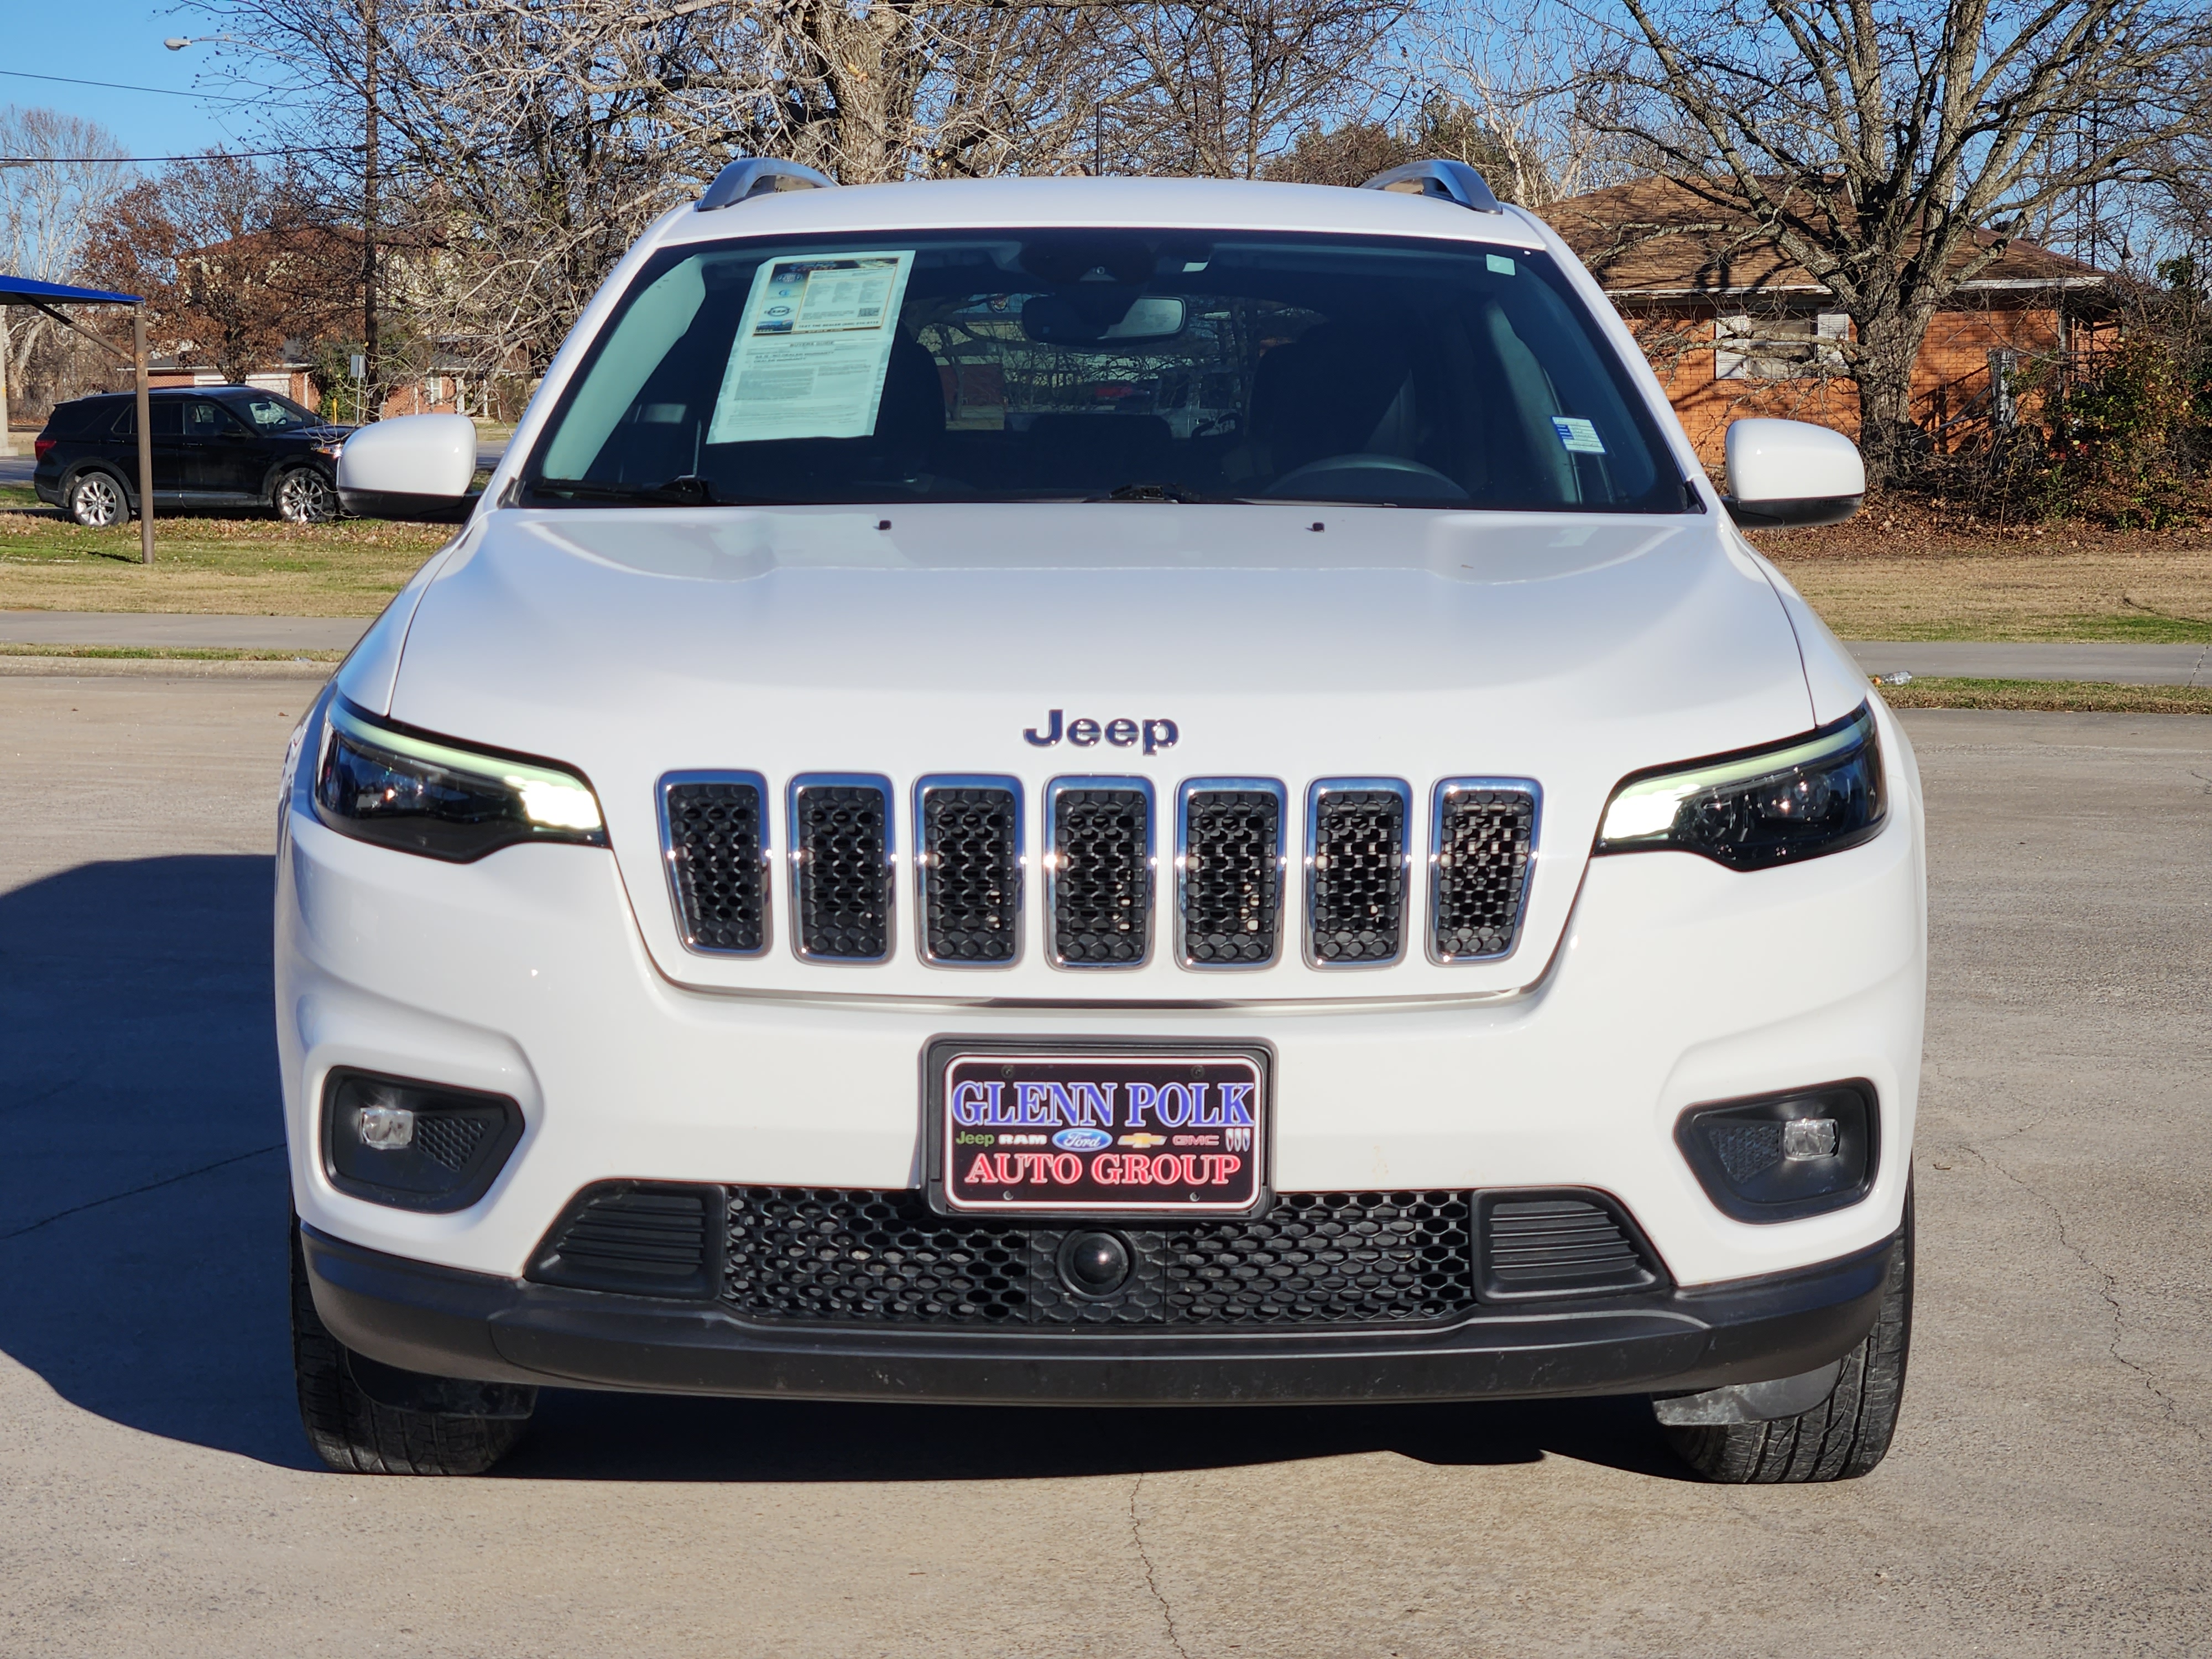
1735,327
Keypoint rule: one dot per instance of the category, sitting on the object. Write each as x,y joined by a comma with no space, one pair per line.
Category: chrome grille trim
1326,912
1449,794
673,859
1269,899
927,863
813,890
1063,886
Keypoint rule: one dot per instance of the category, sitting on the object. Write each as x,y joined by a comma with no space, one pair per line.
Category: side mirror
413,466
1785,473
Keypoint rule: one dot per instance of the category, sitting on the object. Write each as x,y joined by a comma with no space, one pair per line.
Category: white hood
1290,642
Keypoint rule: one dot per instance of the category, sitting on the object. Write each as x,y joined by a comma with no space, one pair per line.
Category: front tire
354,1434
1847,1434
305,495
97,500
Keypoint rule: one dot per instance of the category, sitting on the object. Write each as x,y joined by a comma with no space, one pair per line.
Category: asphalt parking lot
2047,1494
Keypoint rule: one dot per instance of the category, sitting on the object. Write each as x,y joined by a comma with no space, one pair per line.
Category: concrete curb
159,668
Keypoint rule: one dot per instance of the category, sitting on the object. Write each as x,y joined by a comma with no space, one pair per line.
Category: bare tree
68,176
1879,143
1524,71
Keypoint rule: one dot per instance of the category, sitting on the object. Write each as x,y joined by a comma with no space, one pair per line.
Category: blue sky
120,41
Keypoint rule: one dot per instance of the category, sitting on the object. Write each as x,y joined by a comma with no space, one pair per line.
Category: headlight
330,451
381,782
1799,800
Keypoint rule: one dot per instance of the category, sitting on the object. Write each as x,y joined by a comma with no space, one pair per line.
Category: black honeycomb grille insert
1357,911
451,1138
1232,889
715,833
1550,1244
1102,885
884,1257
971,855
841,834
1483,840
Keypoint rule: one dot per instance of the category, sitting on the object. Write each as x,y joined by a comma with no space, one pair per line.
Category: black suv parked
216,446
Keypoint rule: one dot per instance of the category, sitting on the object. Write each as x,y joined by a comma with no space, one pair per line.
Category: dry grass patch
239,567
2051,696
1903,570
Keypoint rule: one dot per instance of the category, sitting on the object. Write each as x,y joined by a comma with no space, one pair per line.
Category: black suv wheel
1843,1437
306,495
411,1423
97,500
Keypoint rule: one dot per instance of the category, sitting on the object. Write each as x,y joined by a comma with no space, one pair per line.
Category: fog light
386,1128
415,1145
1808,1137
1776,1158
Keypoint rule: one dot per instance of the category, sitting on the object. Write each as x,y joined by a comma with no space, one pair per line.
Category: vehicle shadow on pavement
595,1437
143,1198
143,1203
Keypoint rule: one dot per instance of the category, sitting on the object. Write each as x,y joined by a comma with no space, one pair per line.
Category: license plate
1034,1132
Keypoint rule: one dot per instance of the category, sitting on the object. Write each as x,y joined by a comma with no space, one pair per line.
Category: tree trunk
1888,347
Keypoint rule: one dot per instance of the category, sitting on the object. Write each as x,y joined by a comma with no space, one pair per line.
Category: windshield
1103,365
265,411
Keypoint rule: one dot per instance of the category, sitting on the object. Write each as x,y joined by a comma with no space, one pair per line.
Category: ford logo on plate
1082,1141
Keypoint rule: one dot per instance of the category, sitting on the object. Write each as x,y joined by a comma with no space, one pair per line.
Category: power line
120,86
204,155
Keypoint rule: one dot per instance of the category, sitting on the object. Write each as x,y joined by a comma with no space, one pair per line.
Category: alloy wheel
96,501
304,496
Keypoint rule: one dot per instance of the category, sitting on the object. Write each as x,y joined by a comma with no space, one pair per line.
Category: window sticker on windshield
812,348
1577,435
1499,263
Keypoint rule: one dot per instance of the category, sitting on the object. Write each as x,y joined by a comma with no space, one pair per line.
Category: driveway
2046,1494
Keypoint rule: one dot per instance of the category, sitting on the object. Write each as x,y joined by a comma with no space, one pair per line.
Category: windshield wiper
1149,492
687,491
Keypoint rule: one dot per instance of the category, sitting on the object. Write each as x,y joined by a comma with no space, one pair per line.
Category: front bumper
447,1323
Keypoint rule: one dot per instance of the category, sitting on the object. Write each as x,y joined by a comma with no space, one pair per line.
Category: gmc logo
1084,733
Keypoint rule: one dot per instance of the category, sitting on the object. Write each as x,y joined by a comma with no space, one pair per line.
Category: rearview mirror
1095,317
1790,473
413,466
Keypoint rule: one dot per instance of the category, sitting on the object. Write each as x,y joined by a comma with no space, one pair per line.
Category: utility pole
373,393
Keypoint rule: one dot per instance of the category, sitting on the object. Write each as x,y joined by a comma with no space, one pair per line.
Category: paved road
2117,662
2046,1496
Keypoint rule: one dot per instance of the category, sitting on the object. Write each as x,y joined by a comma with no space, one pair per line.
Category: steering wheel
1388,475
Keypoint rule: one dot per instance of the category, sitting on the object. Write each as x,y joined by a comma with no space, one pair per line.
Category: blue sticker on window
1499,263
1577,435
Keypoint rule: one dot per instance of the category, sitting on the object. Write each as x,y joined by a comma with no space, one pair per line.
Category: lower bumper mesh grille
885,1258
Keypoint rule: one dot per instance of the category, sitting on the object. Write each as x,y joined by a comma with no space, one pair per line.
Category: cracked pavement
2047,1493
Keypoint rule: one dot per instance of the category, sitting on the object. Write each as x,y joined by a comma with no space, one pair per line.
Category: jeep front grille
844,1257
1356,872
1230,873
713,830
969,833
841,873
1229,907
1099,872
1478,853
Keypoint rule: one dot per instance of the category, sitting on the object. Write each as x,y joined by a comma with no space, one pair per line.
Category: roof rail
760,175
1450,181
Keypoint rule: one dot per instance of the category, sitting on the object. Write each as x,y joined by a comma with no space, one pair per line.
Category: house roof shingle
1660,237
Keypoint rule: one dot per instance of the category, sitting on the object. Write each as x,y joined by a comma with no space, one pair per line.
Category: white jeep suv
1110,792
